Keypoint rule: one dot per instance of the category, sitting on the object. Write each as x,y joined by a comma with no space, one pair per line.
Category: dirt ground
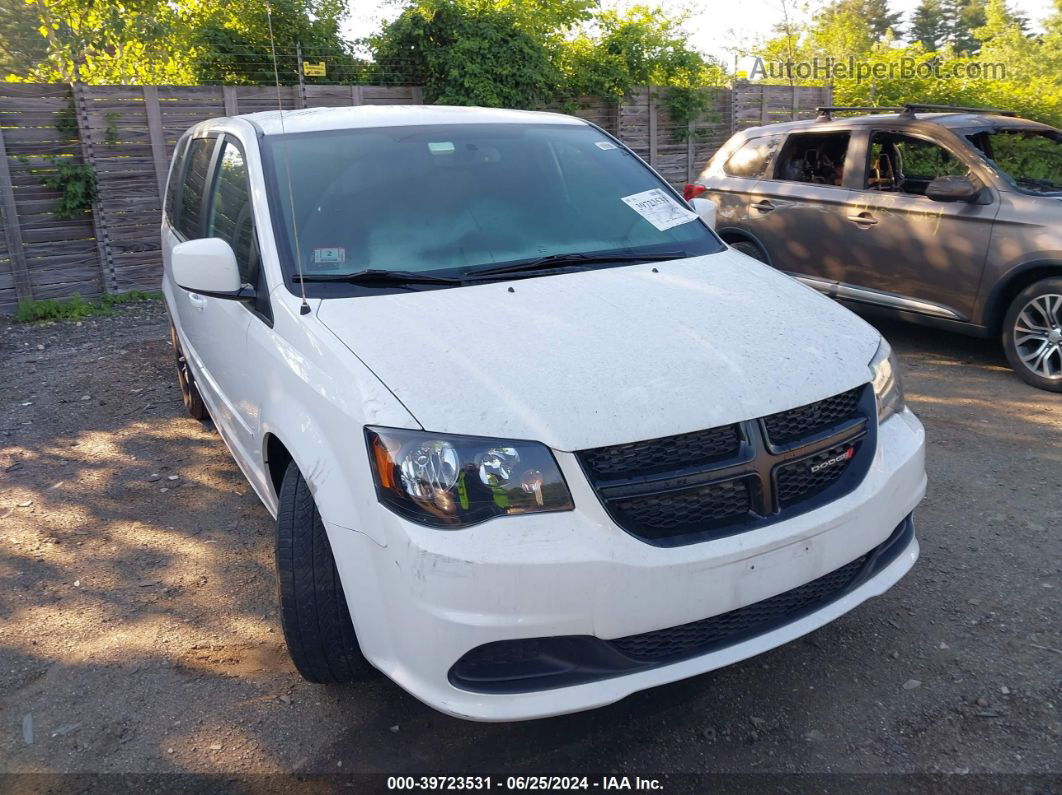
139,629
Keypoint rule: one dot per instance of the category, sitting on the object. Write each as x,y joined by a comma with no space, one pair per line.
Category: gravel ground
139,630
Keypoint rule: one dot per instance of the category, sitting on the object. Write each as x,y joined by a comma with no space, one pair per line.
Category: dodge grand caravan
533,436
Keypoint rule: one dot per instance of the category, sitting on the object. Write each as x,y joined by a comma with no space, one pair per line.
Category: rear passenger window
230,212
173,189
198,158
752,158
817,158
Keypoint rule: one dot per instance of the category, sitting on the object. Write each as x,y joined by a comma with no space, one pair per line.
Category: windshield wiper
552,261
374,276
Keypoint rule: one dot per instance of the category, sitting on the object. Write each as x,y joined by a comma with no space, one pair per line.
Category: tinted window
752,158
466,196
230,211
903,164
198,162
174,185
817,158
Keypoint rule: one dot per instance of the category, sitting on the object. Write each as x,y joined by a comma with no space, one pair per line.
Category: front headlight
456,481
885,376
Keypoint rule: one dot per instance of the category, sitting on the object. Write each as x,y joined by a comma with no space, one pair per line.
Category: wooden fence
126,135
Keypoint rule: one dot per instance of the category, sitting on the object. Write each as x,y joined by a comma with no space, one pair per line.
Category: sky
714,27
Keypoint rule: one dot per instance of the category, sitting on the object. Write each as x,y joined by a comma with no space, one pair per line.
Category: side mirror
705,208
208,267
953,189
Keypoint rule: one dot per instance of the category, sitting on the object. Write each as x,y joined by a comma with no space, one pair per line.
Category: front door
914,253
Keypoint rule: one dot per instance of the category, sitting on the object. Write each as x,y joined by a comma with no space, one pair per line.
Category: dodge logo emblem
829,462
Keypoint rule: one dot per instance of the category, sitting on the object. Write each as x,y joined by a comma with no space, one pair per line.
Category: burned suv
946,216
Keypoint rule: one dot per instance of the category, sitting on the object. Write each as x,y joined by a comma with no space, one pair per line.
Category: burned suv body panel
950,218
945,262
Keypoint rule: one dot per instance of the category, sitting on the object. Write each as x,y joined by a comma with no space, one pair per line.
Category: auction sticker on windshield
659,209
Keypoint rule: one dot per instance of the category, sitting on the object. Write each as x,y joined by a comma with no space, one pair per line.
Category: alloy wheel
1038,336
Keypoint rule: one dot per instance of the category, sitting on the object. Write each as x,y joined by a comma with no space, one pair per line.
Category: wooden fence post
733,108
652,126
417,95
355,95
12,230
155,135
765,115
232,103
300,95
108,277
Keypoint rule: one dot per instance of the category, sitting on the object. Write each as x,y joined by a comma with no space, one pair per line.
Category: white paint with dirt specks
582,360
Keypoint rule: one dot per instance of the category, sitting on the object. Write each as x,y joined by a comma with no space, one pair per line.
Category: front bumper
424,598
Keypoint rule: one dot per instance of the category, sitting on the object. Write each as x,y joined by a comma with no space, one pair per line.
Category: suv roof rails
908,109
826,111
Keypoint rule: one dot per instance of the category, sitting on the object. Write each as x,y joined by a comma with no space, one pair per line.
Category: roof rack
826,111
908,109
911,108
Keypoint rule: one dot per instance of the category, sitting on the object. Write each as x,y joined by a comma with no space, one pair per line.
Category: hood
581,360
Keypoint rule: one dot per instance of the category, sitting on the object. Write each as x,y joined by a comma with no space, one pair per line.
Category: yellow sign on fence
315,69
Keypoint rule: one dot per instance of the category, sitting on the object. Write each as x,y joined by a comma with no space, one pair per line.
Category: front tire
193,401
1032,334
313,610
750,249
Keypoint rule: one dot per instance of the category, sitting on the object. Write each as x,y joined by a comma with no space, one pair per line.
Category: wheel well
731,235
1005,294
277,460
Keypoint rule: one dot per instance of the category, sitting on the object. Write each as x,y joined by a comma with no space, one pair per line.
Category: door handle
763,206
863,219
197,301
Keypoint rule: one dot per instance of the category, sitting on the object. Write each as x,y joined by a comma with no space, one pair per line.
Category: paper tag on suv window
605,145
659,209
334,255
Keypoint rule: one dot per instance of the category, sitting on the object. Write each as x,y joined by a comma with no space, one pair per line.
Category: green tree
961,19
131,41
928,26
466,54
637,47
232,44
21,45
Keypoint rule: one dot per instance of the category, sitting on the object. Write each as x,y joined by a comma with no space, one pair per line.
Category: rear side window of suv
752,159
816,158
190,221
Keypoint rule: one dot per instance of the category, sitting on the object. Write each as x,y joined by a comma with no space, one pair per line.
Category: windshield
457,199
1031,160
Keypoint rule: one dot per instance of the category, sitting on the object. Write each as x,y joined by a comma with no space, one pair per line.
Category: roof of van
318,119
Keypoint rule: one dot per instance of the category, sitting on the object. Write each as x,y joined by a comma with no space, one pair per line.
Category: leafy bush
76,183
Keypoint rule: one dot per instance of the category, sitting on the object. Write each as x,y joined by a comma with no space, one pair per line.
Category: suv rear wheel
1032,334
313,610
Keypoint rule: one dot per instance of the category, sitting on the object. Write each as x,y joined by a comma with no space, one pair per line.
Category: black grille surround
527,665
709,484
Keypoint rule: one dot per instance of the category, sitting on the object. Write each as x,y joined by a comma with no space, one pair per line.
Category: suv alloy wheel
1032,334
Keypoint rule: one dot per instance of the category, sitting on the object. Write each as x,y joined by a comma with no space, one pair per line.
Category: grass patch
77,308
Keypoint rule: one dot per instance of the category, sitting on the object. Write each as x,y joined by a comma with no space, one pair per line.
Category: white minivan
534,437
